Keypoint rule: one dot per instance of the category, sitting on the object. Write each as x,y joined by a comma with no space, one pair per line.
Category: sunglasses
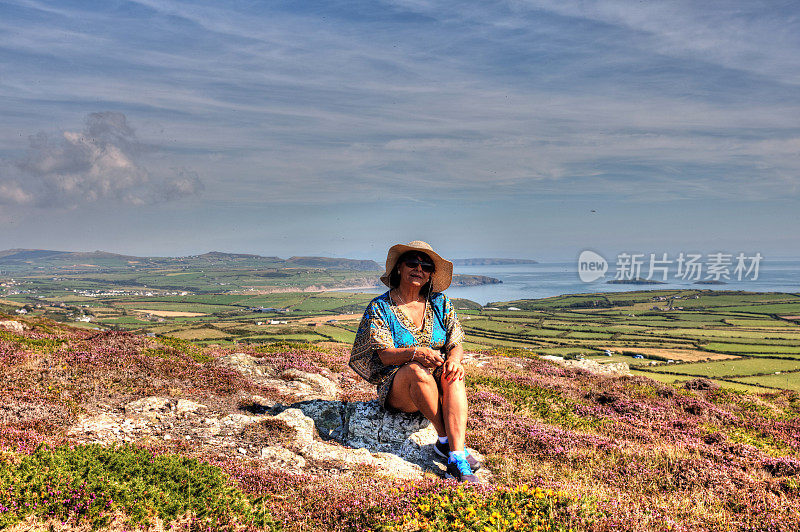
413,263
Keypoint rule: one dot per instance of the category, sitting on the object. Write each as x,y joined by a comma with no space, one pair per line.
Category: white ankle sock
457,454
442,439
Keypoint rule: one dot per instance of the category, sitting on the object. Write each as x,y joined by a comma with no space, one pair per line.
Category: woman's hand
453,370
428,357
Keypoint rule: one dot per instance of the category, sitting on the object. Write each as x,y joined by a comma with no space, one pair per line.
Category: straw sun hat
440,278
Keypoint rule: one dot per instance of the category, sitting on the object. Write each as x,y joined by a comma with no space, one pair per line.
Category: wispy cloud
760,37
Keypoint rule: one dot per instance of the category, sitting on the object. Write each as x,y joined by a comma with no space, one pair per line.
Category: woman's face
415,270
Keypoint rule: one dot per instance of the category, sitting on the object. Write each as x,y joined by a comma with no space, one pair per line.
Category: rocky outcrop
13,326
610,368
317,435
367,427
292,383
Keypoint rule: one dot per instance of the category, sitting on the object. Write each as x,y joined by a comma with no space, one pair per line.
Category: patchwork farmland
740,340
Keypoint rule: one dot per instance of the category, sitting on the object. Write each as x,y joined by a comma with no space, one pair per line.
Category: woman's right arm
397,356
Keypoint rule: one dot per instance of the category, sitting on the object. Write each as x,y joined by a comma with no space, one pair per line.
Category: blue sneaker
443,451
459,470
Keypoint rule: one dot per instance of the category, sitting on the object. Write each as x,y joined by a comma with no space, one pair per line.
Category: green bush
91,483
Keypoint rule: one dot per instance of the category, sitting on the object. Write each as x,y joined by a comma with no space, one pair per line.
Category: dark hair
394,275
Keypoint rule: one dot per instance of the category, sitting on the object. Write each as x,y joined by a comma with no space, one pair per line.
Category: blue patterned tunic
385,326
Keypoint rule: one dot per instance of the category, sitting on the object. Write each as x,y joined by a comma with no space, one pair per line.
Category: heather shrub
34,340
185,347
486,509
536,401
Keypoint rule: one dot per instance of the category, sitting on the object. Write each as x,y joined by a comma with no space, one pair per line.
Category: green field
711,324
786,381
731,368
677,379
755,348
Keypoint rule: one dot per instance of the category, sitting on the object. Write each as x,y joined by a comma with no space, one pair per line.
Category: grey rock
100,427
149,406
328,418
262,402
237,421
300,425
13,326
294,390
210,427
282,458
292,383
340,435
400,445
476,359
186,408
321,386
611,368
241,362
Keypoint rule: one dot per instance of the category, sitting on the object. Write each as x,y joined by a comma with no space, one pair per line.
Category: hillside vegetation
569,450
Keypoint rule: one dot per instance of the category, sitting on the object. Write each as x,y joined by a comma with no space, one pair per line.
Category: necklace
402,301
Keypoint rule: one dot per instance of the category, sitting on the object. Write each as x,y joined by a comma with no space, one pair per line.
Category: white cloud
99,163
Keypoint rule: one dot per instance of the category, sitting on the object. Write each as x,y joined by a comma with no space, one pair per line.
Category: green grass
730,333
589,335
493,325
673,379
336,334
786,381
729,368
186,347
736,348
745,322
560,351
788,309
122,320
179,307
765,442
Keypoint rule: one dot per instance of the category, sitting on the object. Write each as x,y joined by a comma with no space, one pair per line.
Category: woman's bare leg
415,390
454,410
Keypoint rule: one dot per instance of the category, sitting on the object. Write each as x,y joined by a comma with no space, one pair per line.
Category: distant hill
335,263
491,262
43,259
473,280
222,256
30,254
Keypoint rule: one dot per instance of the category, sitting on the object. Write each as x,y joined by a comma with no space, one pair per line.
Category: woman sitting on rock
409,345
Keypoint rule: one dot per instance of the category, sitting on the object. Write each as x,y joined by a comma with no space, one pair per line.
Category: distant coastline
458,280
634,281
491,262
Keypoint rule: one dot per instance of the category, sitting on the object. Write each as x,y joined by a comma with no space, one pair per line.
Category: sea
547,279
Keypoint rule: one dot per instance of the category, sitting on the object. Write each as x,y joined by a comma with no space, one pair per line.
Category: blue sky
530,129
